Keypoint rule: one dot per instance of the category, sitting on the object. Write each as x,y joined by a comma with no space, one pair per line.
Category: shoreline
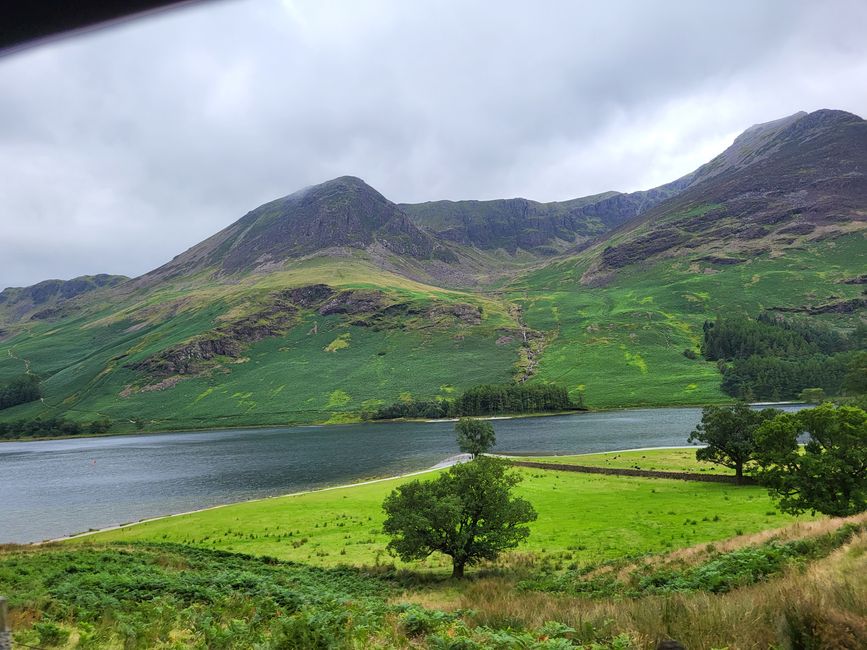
444,464
519,416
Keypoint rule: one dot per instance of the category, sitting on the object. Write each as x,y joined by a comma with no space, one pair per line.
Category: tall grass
822,605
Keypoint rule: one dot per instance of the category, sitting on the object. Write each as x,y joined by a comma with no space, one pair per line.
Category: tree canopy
729,433
475,436
467,513
20,390
487,399
830,474
776,357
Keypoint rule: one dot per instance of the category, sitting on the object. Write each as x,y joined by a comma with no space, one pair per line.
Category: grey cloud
122,148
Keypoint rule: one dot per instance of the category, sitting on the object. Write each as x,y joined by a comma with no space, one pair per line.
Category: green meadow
582,519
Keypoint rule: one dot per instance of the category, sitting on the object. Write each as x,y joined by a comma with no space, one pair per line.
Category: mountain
341,213
795,180
334,301
51,298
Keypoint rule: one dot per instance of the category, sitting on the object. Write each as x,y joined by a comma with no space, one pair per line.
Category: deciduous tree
475,436
729,435
830,474
467,513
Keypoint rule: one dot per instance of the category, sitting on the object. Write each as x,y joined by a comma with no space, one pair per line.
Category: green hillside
321,368
623,343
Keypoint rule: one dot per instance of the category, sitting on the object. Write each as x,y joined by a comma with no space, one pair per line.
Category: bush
50,634
416,621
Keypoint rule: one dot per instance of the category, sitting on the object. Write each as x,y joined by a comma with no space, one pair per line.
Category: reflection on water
57,487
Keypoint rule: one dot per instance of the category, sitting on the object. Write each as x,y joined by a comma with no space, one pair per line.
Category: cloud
121,148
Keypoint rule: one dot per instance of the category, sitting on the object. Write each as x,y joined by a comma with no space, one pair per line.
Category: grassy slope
299,377
623,343
575,523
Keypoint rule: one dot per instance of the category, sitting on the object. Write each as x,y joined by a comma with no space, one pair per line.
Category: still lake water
58,487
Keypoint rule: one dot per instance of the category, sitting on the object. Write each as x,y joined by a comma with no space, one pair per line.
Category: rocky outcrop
721,261
309,296
461,312
187,358
227,340
841,307
353,302
640,248
798,229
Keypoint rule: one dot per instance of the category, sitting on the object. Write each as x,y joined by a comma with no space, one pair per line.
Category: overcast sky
123,147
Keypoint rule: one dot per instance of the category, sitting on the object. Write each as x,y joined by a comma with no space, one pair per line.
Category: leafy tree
468,513
830,475
39,428
855,380
729,433
20,390
813,395
773,357
487,399
475,436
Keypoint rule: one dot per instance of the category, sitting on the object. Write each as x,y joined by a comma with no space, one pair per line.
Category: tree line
487,399
20,390
52,427
772,357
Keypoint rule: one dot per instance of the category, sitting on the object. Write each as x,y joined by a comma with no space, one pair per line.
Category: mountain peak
343,212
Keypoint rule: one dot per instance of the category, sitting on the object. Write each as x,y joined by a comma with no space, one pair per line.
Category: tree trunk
739,473
457,569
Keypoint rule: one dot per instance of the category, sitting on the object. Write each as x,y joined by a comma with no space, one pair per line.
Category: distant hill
50,298
334,301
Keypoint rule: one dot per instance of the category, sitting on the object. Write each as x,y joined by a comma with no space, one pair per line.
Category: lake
59,487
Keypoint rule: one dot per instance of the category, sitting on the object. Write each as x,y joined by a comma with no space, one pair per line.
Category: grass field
667,460
575,524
